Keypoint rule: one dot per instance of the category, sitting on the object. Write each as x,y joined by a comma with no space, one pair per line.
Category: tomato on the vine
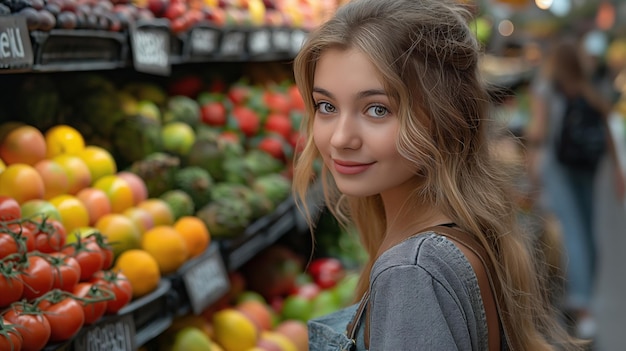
105,247
24,235
95,300
65,271
64,313
50,234
9,243
9,208
37,276
11,286
88,254
10,338
117,283
32,325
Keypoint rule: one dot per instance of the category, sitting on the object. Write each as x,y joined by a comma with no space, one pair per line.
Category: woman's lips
350,168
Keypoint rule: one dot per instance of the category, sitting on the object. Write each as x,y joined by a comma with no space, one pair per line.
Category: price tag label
260,42
15,47
150,46
297,40
281,38
204,41
233,44
206,281
116,333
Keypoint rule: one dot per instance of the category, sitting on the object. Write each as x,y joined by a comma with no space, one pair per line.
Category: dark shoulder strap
471,243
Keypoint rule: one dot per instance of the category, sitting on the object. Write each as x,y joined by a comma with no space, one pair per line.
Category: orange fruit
73,213
143,219
21,182
99,161
54,176
118,191
79,176
141,270
121,233
96,201
167,246
159,209
63,139
233,330
195,233
21,143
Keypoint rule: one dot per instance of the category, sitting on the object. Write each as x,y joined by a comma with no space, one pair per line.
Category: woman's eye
377,111
325,107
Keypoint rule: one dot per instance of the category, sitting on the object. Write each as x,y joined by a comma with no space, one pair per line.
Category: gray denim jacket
424,296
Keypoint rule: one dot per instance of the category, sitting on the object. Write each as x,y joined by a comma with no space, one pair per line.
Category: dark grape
32,18
47,21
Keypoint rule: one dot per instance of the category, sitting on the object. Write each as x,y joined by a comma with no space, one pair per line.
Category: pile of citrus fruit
58,176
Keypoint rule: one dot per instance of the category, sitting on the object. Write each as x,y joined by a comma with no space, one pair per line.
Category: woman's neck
405,219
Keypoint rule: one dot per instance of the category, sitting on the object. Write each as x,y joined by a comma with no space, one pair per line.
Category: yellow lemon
63,139
234,331
99,161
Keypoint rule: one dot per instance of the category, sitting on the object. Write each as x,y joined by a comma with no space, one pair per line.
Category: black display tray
79,50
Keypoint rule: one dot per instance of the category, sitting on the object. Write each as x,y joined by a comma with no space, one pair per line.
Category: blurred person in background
566,191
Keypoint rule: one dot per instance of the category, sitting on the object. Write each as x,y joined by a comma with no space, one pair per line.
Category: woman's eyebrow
361,95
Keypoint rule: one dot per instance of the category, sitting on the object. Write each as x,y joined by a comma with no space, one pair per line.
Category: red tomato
65,271
31,324
8,244
37,277
274,146
9,209
213,113
10,338
89,256
117,283
279,124
95,303
49,235
248,121
105,247
65,315
24,236
11,286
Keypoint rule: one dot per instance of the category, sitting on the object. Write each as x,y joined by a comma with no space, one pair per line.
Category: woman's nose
346,133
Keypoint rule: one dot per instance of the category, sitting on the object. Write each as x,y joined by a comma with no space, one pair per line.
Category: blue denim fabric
569,195
328,333
424,296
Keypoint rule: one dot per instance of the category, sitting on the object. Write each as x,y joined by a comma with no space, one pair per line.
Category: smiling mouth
351,168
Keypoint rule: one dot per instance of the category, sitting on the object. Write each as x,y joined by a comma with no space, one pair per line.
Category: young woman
397,112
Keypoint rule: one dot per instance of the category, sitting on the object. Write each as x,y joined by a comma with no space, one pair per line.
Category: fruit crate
134,325
79,50
199,282
152,314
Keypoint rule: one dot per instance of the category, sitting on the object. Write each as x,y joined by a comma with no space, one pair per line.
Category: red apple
326,271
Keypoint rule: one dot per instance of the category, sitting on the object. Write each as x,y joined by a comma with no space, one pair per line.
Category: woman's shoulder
428,251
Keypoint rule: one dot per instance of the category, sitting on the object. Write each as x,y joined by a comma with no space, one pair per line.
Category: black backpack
582,140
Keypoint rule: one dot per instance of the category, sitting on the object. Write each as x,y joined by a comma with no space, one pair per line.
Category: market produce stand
153,46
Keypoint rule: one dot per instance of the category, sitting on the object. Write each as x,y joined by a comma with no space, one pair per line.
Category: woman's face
355,126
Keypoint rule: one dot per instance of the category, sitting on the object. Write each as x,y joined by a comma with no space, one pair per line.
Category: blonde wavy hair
428,59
